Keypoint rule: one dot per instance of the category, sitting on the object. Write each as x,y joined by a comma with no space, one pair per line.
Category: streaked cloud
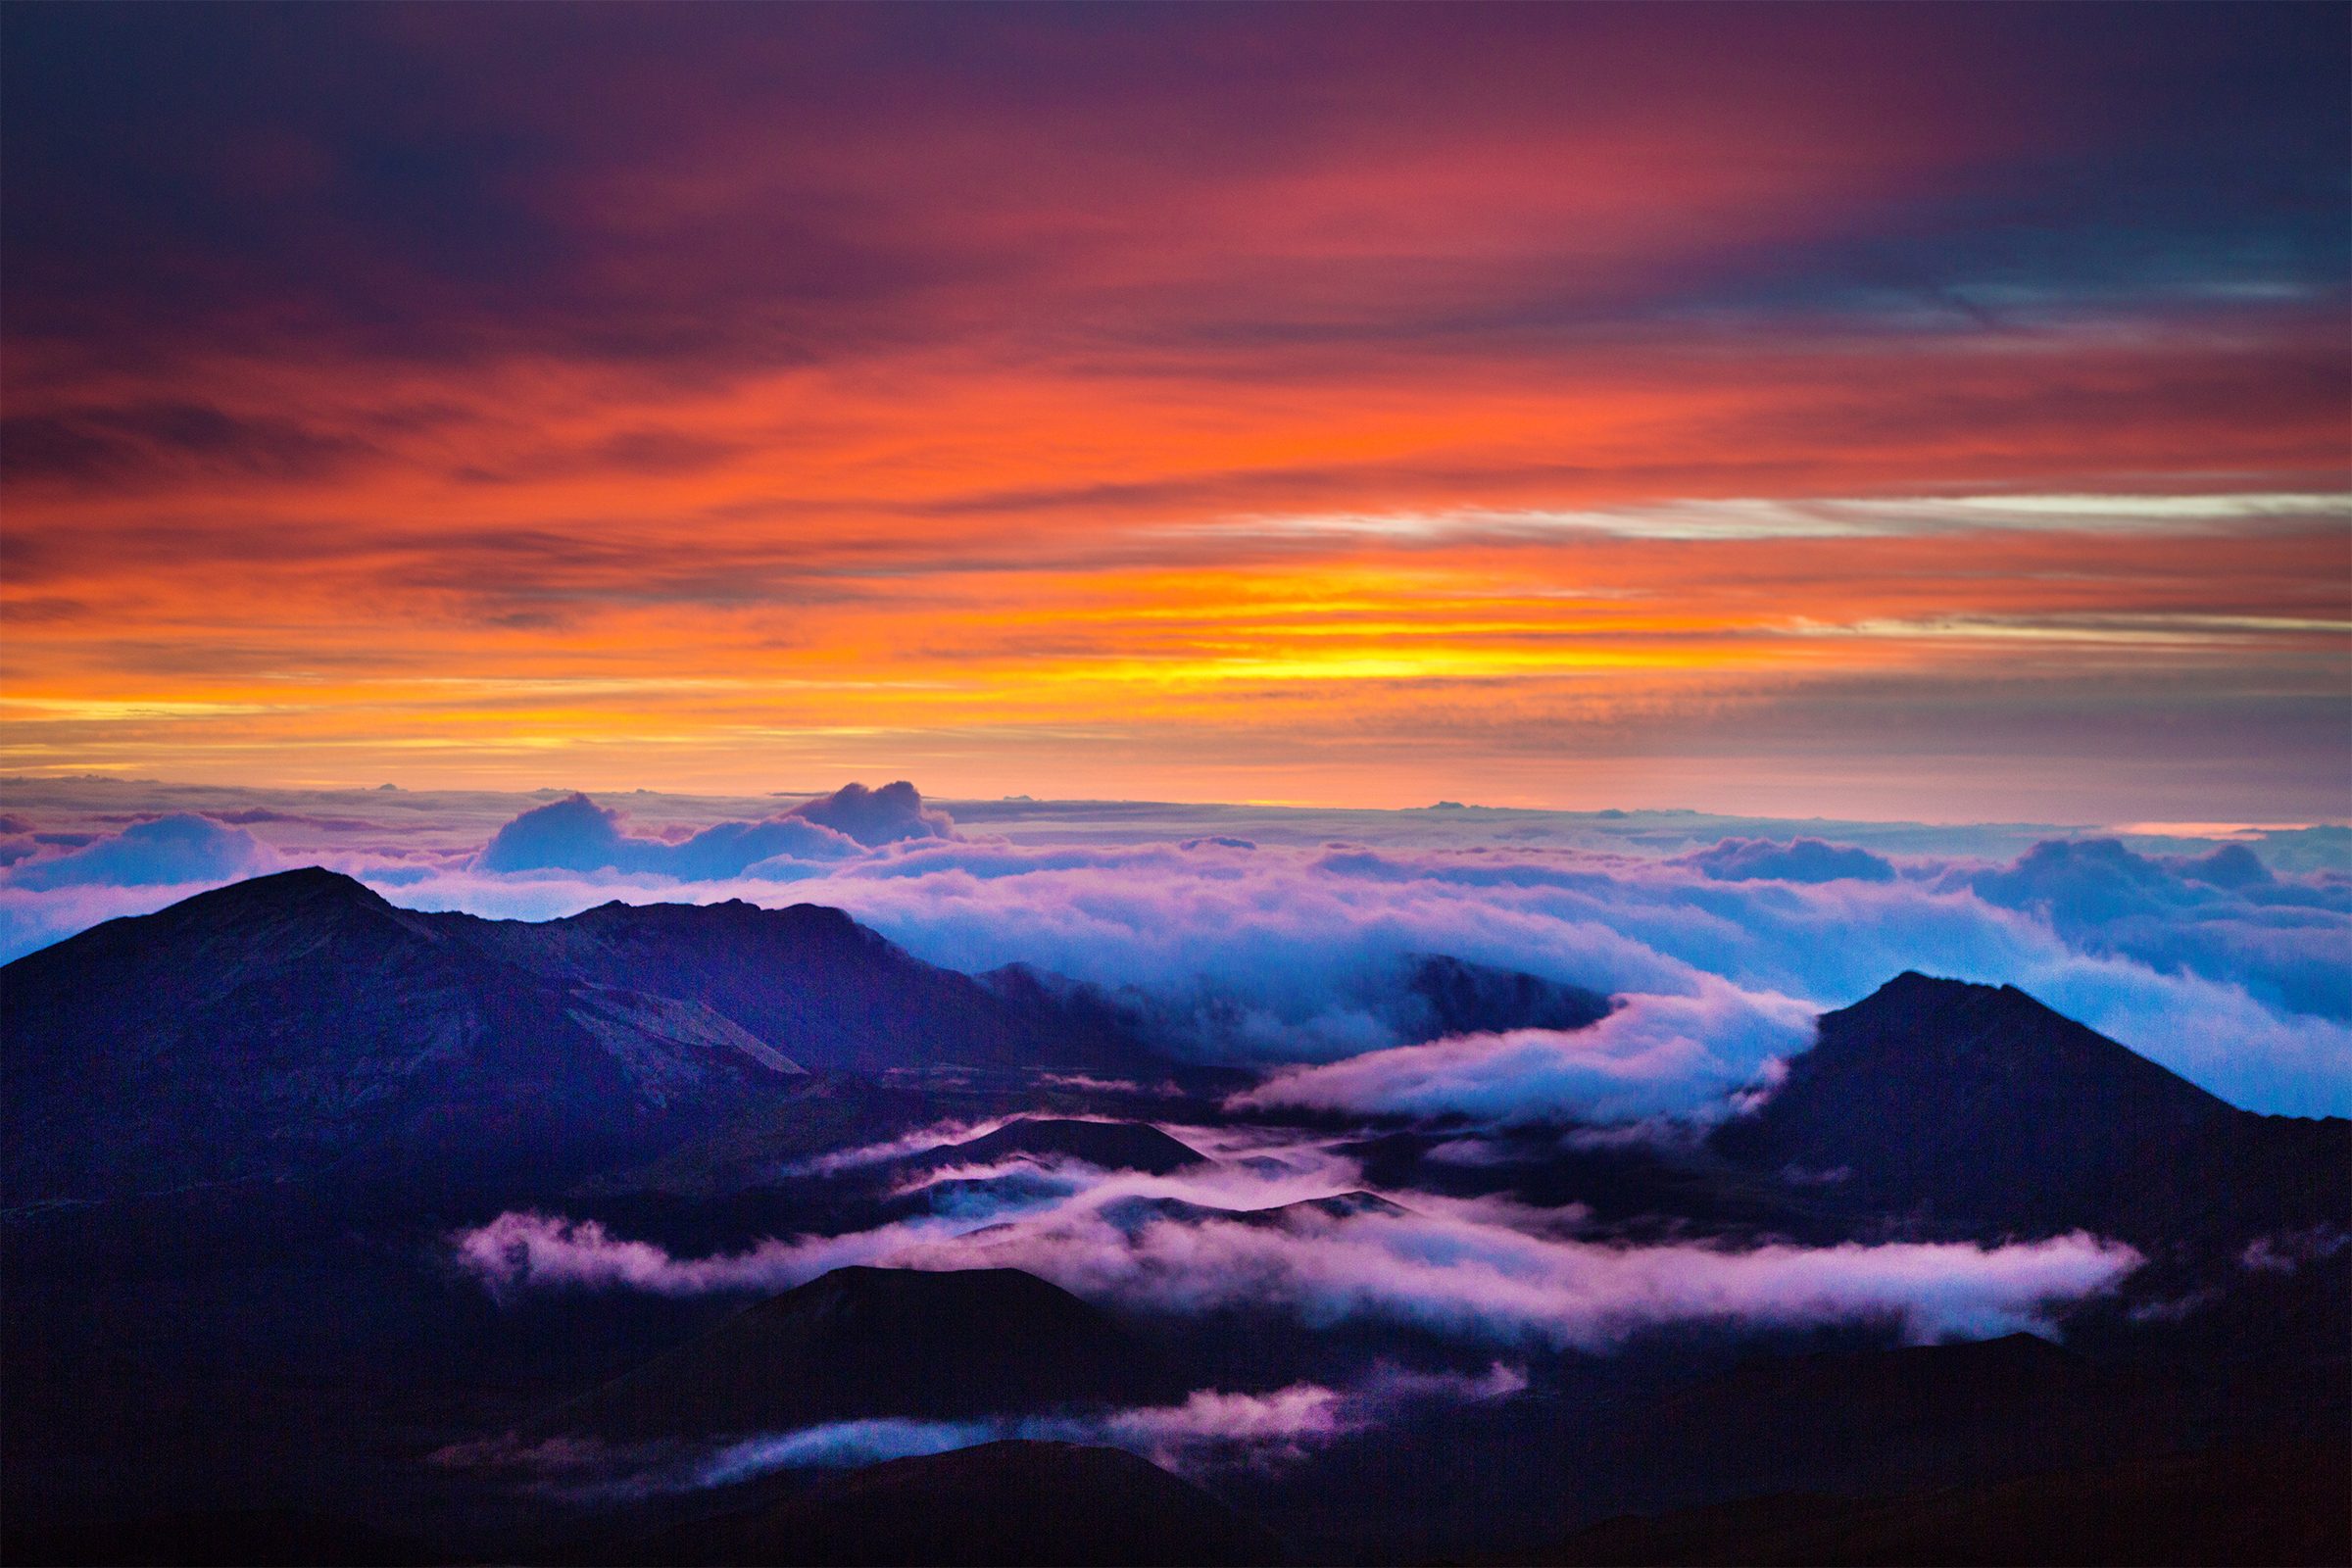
1206,405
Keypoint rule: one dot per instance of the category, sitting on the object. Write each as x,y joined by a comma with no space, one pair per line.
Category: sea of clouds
1257,1229
2226,959
1484,1270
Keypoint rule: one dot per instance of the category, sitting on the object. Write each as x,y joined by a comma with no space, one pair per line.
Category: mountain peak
1978,1101
1953,1029
1914,988
308,885
1109,1144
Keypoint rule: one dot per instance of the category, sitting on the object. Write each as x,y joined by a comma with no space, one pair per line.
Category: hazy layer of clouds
166,852
1679,1056
1738,860
575,834
1210,1428
1481,1270
2219,958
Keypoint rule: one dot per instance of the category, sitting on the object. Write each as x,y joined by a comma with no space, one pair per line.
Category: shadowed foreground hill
880,1342
1975,1109
2273,1505
1012,1502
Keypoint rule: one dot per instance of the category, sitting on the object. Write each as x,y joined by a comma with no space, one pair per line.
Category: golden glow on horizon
1390,426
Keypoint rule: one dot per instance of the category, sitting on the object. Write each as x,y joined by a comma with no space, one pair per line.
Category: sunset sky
1882,412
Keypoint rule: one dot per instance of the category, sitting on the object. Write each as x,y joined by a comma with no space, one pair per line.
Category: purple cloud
1481,1270
1797,861
891,815
575,834
1210,1428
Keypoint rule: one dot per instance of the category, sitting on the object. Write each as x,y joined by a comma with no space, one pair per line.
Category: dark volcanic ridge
299,1025
1012,1502
1975,1109
1104,1144
880,1342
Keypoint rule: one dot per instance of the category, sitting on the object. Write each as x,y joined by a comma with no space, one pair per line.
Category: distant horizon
2183,828
2220,956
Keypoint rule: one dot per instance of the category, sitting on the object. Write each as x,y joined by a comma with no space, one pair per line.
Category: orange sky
1875,415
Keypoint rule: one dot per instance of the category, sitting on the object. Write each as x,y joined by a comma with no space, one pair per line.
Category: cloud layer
1680,1056
1210,1429
1238,1236
2223,960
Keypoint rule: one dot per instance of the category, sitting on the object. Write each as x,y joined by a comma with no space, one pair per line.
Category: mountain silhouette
1442,995
1976,1108
1108,1144
880,1342
1013,1503
299,1025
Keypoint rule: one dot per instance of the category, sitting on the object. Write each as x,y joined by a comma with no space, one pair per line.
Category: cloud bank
1798,860
1211,1429
1283,945
575,834
1678,1057
181,851
1238,1236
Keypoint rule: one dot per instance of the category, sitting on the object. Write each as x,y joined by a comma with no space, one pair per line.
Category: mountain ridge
1978,1108
866,1341
300,1022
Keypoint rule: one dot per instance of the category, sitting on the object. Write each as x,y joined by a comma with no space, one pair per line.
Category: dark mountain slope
1976,1110
1877,1420
1108,1145
1448,996
1013,1503
247,1537
880,1342
830,992
299,1025
1132,1214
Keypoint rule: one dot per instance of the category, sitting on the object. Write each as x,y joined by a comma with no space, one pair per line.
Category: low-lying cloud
179,851
1673,1057
1244,1236
1210,1428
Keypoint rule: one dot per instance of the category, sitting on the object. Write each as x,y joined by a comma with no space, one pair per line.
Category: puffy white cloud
166,852
576,834
1679,1056
2222,917
1232,1236
891,815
